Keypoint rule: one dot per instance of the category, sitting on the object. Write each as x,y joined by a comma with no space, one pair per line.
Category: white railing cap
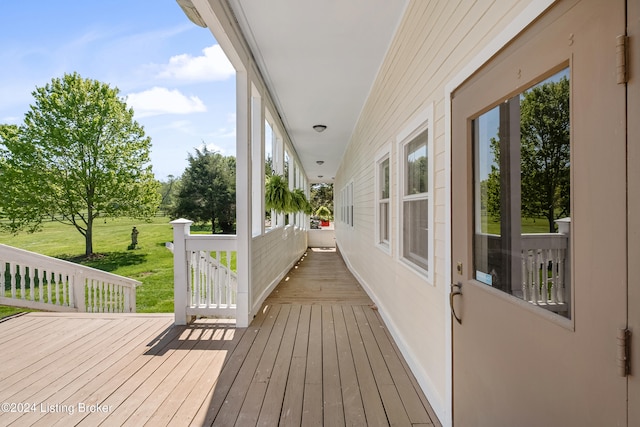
180,221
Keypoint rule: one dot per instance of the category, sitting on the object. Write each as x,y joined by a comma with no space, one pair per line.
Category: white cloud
213,65
213,147
160,100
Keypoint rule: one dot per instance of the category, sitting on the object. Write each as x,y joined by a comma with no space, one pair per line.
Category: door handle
456,289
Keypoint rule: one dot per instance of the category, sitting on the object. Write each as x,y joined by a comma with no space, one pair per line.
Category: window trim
346,206
421,122
381,157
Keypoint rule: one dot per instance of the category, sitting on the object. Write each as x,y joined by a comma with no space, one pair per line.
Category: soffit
319,60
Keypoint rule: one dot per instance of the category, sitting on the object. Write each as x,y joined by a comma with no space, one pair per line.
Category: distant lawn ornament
134,239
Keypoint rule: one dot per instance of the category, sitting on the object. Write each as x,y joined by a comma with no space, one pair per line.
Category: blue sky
171,71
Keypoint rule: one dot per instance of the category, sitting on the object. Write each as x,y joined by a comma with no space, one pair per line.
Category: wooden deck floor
316,354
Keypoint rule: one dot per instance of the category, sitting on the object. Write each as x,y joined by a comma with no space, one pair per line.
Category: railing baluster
561,283
110,299
49,288
204,282
227,282
59,285
554,278
41,284
31,284
190,280
65,289
102,290
216,272
22,271
12,275
94,291
71,284
211,271
198,277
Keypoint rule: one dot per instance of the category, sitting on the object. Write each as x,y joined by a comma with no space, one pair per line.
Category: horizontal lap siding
434,42
273,254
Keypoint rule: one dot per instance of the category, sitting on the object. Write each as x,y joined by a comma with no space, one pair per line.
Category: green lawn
8,311
528,225
151,263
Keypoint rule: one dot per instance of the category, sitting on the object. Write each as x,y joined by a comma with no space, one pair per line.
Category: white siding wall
434,42
273,255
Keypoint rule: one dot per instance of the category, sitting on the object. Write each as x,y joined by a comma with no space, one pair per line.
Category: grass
528,225
151,263
6,311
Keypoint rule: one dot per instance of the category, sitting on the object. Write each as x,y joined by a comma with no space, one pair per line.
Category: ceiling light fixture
320,176
320,162
319,128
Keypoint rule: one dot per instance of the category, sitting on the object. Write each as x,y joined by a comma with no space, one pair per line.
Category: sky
172,72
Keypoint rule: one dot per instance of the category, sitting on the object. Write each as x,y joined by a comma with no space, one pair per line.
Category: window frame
417,126
346,206
382,244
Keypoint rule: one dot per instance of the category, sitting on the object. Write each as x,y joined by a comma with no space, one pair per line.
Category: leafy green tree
169,190
545,151
78,156
491,186
208,191
544,155
8,135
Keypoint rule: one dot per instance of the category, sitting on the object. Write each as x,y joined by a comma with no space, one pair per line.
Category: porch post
181,229
243,197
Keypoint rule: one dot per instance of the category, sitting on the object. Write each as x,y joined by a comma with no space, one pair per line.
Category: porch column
181,229
243,197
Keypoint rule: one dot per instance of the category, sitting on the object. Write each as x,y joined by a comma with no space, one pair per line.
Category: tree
78,156
168,193
208,191
545,151
544,155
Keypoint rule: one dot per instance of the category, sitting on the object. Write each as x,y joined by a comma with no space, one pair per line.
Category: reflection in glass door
522,208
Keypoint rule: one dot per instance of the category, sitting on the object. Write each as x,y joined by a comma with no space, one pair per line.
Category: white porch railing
40,282
204,281
544,268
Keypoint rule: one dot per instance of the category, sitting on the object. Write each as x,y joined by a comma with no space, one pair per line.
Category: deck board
317,353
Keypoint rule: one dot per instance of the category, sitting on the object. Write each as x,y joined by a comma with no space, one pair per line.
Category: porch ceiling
319,61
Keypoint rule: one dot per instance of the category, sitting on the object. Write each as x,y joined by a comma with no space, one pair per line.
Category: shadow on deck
316,354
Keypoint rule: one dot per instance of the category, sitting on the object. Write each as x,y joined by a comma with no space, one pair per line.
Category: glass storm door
539,240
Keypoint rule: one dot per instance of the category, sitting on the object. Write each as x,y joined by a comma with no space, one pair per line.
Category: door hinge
622,43
624,345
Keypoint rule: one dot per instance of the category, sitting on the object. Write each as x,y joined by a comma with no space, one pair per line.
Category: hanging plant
299,202
277,195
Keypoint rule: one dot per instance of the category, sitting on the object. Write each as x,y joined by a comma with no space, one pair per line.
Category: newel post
181,229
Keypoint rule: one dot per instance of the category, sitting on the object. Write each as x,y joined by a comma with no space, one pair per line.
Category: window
415,189
415,201
383,214
346,209
522,195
